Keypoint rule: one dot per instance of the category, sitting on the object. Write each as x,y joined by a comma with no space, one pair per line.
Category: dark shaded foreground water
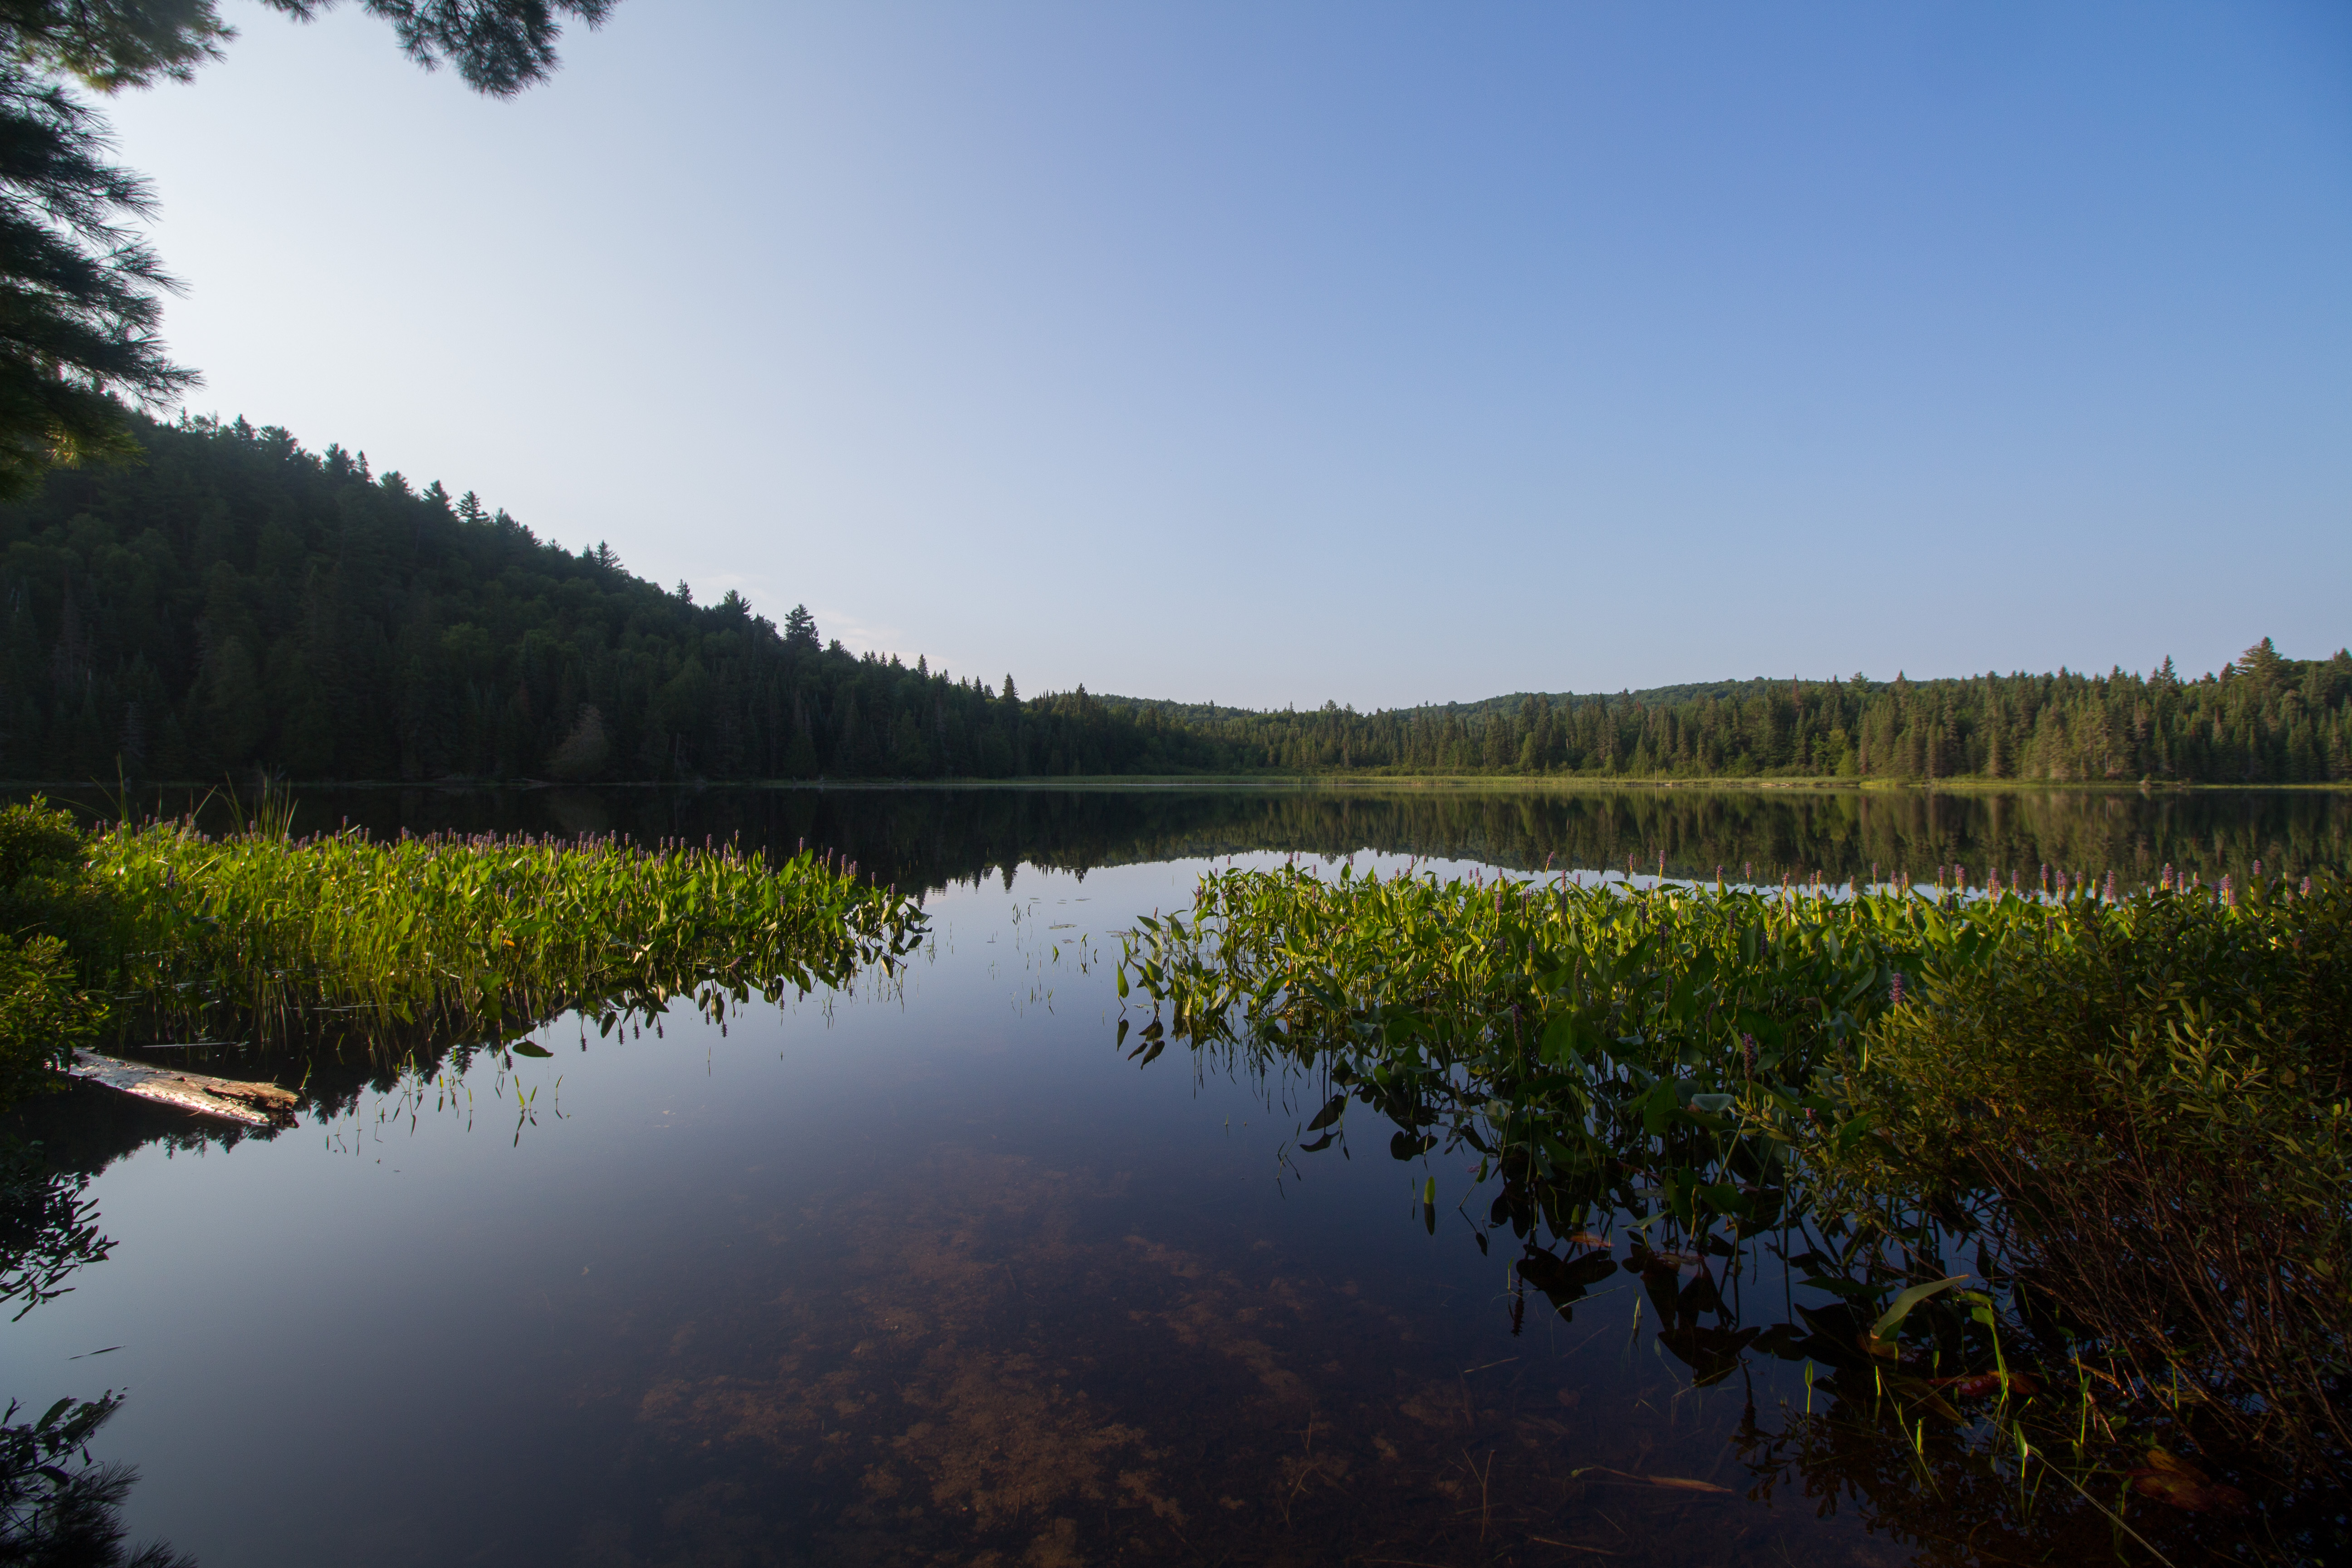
932,1274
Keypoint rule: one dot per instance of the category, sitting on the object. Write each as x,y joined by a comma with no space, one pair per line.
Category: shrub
43,1015
51,911
47,886
2157,1097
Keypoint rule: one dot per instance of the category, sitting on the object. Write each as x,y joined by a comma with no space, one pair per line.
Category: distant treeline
237,604
2265,718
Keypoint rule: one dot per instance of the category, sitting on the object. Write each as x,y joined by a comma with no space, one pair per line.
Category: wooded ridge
236,602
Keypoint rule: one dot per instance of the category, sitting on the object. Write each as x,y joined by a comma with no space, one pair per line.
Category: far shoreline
1511,784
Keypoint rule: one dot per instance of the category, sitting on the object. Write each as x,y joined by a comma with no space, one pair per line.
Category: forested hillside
236,602
2262,719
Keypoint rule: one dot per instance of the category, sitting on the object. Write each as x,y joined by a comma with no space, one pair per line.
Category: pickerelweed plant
261,937
1880,1085
286,937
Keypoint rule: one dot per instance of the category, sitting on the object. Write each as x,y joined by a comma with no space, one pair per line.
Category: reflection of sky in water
927,1274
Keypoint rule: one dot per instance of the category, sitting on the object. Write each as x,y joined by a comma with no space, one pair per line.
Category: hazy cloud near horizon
1378,352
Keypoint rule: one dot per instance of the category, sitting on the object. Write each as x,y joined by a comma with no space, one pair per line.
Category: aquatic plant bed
280,935
2084,1152
159,933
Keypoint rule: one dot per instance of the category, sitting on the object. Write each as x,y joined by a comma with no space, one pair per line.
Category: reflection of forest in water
927,837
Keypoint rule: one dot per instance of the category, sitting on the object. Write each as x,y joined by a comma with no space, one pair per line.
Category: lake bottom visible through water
930,1273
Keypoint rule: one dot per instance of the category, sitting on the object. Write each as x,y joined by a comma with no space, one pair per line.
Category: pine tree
79,310
78,306
800,629
2263,662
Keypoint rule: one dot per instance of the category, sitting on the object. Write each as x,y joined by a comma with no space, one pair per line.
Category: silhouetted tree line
234,603
2262,719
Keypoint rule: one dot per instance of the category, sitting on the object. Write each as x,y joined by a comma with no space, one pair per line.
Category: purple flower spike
2111,887
1894,991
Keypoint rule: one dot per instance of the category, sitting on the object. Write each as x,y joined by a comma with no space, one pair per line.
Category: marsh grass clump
340,936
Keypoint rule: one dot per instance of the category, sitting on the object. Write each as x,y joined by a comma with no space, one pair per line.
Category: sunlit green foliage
47,902
2159,1098
258,935
340,935
1656,1049
2132,1112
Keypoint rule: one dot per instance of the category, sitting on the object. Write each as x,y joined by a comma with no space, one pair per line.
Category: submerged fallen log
255,1104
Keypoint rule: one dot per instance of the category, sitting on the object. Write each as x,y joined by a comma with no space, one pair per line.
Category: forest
233,605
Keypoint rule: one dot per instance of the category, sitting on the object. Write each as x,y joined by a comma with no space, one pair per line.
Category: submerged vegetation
261,936
2061,1171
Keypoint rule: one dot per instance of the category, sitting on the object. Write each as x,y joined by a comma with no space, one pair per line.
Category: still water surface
929,1272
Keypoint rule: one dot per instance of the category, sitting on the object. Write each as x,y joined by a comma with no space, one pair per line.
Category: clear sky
1274,351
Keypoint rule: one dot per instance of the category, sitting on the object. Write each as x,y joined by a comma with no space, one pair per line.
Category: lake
933,1270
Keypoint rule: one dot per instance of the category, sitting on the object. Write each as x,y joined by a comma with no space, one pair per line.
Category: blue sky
1378,351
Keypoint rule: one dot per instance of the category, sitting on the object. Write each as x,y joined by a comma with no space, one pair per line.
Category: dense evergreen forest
2263,718
237,603
234,603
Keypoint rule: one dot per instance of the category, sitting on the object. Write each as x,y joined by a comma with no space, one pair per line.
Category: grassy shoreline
1465,783
158,930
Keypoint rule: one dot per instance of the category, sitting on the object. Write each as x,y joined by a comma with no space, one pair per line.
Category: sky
1275,353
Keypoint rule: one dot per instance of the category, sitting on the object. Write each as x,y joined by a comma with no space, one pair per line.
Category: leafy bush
51,911
43,1015
2158,1099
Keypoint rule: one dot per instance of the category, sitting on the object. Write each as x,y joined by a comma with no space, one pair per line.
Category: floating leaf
2168,1477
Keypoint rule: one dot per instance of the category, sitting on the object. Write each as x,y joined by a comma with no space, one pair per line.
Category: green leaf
1894,1314
528,1049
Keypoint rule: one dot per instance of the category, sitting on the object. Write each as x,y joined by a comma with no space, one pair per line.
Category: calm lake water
929,1272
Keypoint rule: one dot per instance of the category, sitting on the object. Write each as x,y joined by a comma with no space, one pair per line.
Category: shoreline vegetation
2062,1164
142,933
1498,783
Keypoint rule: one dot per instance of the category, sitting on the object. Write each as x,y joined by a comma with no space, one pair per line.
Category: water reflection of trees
932,838
58,1505
1911,1437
